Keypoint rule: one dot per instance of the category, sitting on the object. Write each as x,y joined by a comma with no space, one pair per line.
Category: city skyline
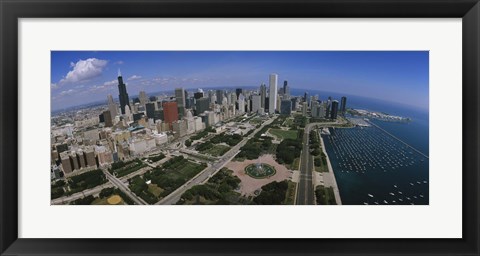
80,77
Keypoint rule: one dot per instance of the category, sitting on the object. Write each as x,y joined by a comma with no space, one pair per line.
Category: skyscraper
107,118
343,105
142,96
112,106
272,106
255,103
170,112
286,90
334,111
202,105
286,107
238,91
180,97
123,95
150,108
263,95
219,96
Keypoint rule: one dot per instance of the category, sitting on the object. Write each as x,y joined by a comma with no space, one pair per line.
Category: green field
284,134
155,190
217,150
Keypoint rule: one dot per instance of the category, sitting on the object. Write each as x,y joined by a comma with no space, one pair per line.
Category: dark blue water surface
372,167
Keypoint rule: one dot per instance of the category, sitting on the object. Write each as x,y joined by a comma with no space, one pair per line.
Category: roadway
208,172
120,185
93,191
305,190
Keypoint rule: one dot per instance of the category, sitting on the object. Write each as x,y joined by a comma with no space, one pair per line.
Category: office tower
263,95
107,116
294,103
272,106
170,112
189,103
123,95
112,107
241,104
158,114
286,107
150,108
343,105
142,96
256,101
89,156
328,107
101,118
66,164
202,105
305,97
81,159
180,97
198,95
334,109
304,108
153,98
286,90
238,91
314,109
219,94
74,160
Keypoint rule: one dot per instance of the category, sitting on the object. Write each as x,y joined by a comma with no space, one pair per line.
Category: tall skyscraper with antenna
123,95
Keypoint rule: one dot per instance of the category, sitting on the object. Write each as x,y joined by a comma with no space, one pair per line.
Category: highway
203,176
82,194
305,190
120,185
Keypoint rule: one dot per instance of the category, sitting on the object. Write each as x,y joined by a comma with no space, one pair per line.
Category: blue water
370,166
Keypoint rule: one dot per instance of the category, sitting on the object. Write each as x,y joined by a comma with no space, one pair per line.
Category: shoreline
334,184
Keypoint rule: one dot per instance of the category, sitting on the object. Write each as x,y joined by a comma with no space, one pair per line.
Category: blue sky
79,77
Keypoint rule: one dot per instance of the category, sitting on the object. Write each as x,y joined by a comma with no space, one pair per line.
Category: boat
370,195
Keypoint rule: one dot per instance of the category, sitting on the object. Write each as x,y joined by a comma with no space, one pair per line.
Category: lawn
155,190
217,150
290,196
284,134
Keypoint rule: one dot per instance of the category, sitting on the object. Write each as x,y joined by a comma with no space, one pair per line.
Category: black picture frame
11,11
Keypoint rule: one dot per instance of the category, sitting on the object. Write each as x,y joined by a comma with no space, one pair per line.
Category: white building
256,103
272,94
160,138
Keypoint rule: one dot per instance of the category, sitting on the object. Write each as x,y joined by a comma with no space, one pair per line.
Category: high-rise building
123,95
112,106
241,104
272,106
286,90
66,164
263,95
180,97
343,105
286,107
305,97
150,109
107,116
238,91
142,96
202,105
198,95
334,110
256,103
170,112
304,108
219,94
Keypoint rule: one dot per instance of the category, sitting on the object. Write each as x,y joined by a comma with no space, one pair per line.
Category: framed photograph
226,127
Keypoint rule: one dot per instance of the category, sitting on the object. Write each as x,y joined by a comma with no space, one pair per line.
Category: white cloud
84,70
118,62
53,85
110,83
134,77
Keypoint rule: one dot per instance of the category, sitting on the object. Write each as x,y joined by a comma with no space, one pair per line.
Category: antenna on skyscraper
119,73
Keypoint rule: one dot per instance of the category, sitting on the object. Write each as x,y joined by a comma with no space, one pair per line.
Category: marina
374,167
